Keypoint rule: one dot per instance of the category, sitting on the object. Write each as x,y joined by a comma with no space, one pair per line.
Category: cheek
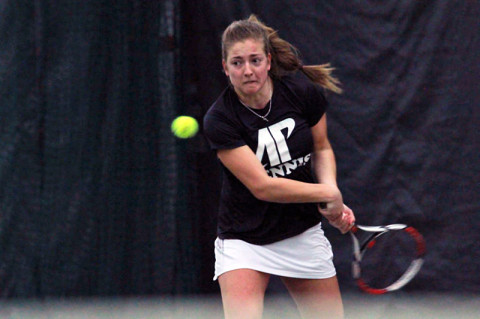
232,74
265,71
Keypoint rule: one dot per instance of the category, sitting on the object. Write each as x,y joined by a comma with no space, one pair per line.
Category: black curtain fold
89,171
405,129
97,198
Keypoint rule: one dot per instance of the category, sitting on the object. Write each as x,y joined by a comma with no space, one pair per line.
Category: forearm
324,166
283,190
325,170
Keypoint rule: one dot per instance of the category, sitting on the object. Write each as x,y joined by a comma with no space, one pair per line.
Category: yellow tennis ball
184,126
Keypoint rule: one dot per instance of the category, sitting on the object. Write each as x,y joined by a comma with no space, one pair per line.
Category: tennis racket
386,258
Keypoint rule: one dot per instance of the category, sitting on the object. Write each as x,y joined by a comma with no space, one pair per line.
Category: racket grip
354,228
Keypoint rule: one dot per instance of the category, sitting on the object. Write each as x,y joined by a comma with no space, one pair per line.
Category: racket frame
359,250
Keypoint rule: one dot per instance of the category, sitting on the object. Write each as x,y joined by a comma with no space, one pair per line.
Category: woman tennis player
269,130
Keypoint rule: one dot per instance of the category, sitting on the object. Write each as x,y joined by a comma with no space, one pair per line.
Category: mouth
249,82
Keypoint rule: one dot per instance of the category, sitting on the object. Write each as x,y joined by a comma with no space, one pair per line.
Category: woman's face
247,66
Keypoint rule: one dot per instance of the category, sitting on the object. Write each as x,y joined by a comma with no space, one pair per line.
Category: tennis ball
184,126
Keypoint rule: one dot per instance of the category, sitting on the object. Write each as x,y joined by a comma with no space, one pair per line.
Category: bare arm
323,157
243,163
338,214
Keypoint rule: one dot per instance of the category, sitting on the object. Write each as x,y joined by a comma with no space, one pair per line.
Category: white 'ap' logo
274,142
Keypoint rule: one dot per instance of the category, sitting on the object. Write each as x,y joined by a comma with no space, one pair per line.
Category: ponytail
321,74
285,58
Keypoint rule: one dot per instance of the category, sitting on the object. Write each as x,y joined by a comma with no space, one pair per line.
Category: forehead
246,48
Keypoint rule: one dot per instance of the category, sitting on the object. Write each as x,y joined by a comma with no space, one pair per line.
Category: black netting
98,198
89,170
404,131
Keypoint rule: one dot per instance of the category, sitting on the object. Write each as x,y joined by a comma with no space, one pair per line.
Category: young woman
269,129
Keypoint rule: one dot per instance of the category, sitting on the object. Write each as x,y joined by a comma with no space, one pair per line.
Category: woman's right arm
243,163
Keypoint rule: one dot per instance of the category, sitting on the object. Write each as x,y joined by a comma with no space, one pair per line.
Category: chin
251,89
250,92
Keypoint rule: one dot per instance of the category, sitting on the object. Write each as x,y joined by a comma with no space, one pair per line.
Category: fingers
344,221
350,215
332,210
338,214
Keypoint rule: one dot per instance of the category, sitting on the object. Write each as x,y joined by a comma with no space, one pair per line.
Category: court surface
277,306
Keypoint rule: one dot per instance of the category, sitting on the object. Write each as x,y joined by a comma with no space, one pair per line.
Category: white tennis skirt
308,255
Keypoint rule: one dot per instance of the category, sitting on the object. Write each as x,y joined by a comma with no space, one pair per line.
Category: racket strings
386,258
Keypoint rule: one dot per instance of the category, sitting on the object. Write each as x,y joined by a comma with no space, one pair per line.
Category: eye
236,63
256,61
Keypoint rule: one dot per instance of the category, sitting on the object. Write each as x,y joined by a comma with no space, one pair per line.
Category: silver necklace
263,117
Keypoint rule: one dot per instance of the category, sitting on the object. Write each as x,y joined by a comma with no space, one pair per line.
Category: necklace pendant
263,117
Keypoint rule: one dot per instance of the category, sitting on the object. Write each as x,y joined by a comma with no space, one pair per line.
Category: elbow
261,191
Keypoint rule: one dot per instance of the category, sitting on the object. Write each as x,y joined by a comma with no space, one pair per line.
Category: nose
248,70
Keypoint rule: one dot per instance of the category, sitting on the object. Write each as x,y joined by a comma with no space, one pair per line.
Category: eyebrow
251,56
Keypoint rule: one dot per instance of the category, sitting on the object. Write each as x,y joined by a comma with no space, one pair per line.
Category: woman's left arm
324,164
325,169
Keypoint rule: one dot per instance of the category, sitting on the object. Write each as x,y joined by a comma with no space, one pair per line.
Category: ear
224,65
269,58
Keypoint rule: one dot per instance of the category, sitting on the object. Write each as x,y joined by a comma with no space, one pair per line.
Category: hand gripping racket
388,257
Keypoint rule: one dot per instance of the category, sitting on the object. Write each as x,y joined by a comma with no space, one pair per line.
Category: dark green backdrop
98,198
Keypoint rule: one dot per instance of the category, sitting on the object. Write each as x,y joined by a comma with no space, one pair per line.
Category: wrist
333,219
332,194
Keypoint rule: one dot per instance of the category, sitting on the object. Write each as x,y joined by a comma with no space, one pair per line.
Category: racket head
386,258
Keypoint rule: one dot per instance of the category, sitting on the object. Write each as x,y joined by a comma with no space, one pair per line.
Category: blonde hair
285,56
